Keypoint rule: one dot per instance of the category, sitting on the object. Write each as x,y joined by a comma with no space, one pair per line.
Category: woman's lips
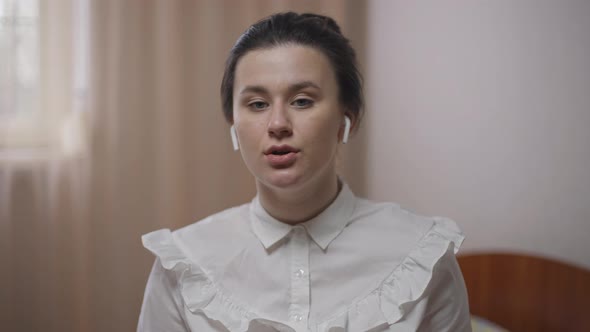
281,156
282,160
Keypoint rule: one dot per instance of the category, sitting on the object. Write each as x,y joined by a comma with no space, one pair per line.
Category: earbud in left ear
234,138
346,129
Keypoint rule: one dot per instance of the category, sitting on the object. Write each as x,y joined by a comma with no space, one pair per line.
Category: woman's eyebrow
292,88
303,85
254,89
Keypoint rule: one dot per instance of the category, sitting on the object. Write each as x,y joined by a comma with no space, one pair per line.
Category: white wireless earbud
346,129
234,138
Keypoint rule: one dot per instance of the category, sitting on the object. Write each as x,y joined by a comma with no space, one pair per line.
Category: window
19,71
43,81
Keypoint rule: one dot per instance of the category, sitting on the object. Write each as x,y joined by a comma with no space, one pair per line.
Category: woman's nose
279,124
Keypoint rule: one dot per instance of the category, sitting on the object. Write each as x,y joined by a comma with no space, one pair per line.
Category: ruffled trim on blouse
385,305
404,286
199,292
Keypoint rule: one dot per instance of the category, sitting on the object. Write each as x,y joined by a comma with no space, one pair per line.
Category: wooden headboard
527,293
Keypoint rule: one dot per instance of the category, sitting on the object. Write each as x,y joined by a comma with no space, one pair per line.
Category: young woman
305,254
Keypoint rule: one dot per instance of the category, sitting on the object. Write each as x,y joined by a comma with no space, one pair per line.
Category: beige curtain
158,155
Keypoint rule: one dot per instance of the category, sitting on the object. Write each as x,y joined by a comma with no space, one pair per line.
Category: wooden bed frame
527,293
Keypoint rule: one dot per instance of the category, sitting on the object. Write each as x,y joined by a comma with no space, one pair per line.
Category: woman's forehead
283,67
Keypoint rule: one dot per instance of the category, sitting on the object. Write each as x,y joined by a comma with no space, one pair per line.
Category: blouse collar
323,228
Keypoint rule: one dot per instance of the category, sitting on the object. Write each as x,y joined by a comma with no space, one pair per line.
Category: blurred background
111,127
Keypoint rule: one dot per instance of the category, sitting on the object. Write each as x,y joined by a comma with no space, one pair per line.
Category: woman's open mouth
281,156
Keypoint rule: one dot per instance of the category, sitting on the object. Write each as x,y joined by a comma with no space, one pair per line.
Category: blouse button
300,273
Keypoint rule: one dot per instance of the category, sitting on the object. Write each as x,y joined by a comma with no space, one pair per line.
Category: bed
517,292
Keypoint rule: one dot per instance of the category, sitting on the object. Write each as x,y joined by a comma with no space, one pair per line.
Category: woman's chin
281,179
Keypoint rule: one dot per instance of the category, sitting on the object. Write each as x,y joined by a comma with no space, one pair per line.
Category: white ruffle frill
403,287
385,305
199,292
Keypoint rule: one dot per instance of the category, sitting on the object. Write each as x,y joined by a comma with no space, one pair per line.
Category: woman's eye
258,105
303,103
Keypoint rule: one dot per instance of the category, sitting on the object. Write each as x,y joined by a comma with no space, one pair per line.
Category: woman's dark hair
317,31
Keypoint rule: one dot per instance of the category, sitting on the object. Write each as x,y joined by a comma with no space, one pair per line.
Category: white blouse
358,266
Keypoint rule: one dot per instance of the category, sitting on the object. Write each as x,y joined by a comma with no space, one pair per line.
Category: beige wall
479,110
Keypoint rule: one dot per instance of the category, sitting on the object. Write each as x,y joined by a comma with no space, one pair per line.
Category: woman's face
287,115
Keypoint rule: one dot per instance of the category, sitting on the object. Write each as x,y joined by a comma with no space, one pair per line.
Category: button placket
300,292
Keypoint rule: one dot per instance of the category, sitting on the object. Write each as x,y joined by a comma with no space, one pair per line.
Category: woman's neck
293,206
